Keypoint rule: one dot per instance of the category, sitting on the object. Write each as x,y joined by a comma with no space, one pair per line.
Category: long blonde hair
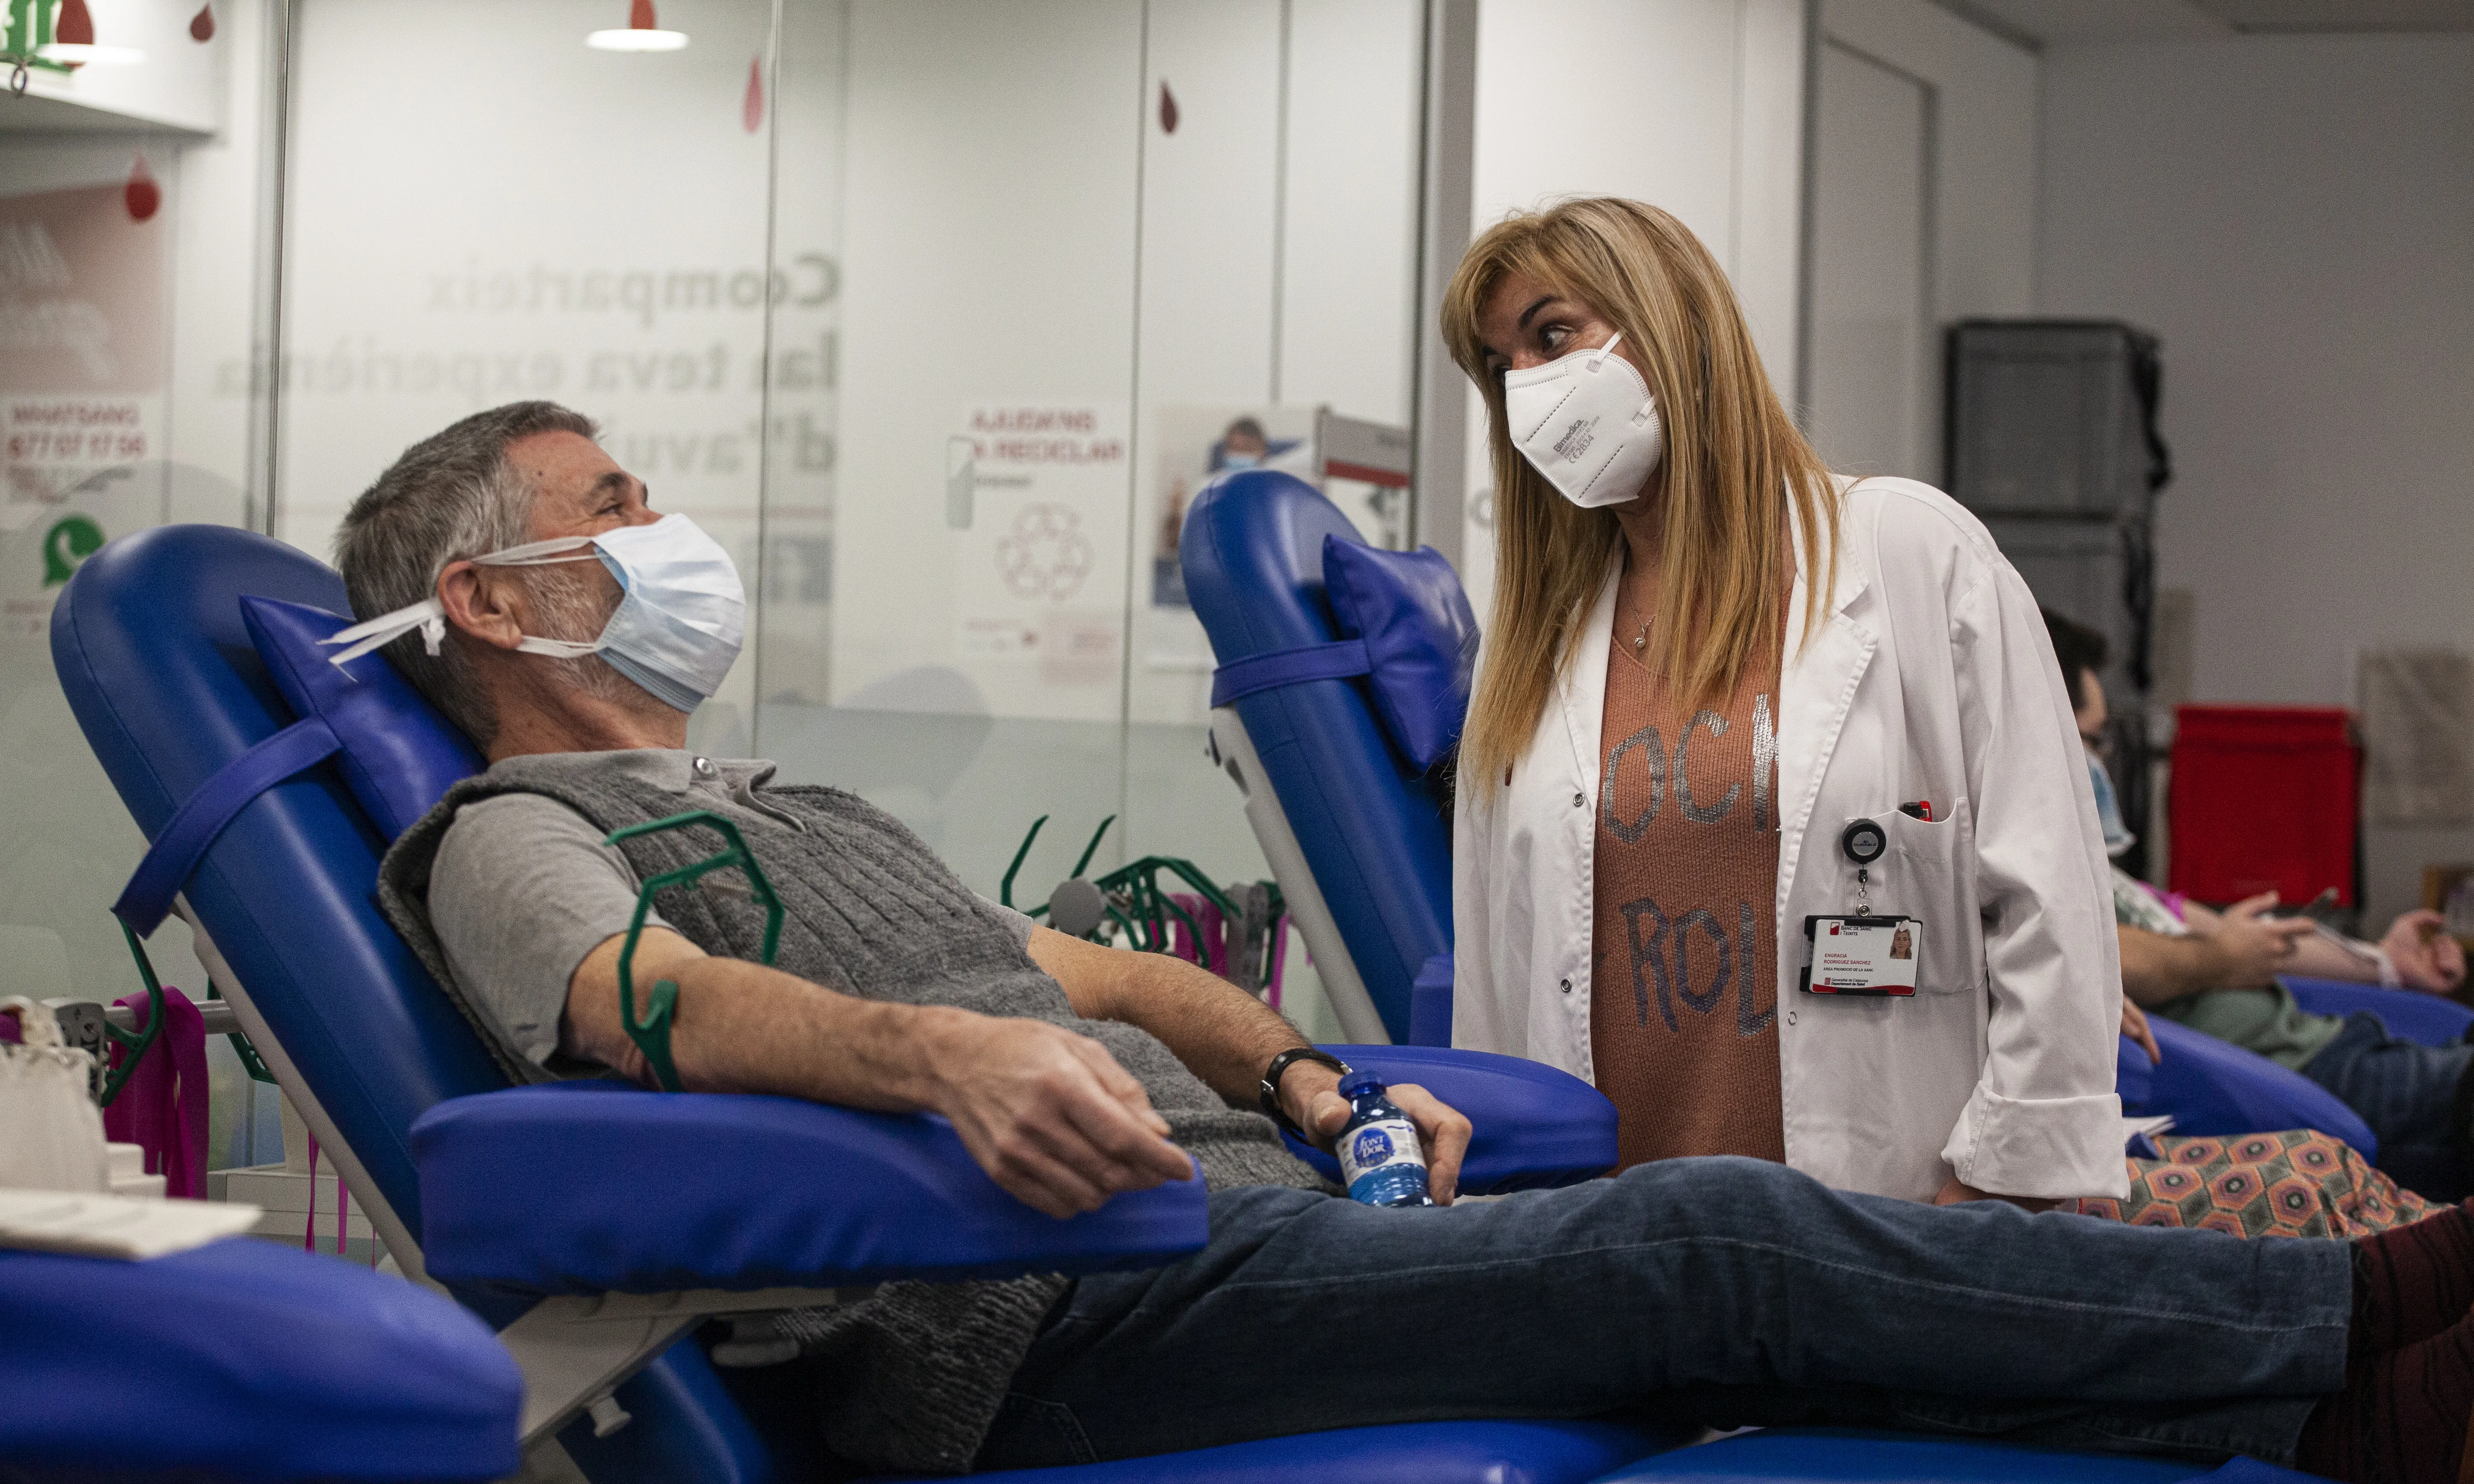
1735,469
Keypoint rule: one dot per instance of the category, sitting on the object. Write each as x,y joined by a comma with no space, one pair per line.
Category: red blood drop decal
201,26
640,16
141,194
75,26
1167,110
751,111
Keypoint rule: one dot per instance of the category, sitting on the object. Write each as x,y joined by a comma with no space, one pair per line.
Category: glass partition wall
938,314
935,312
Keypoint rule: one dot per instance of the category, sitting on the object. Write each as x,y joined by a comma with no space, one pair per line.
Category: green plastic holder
134,1042
652,1033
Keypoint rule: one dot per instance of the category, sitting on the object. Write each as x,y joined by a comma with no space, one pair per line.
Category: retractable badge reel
1861,954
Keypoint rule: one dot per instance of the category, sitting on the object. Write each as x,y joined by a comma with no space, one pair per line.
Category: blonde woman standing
1726,695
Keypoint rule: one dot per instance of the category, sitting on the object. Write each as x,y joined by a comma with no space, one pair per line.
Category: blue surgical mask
1240,460
678,627
2108,810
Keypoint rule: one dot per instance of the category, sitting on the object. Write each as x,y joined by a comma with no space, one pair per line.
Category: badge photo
1862,954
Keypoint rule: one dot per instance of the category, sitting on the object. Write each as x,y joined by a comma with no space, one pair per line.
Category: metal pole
266,337
1439,488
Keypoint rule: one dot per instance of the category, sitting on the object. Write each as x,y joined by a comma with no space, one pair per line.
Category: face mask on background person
1587,423
1240,460
2108,810
678,627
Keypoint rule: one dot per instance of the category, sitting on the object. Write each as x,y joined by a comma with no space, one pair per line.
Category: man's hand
1049,1114
2426,957
2253,947
1310,1091
2134,1024
1954,1192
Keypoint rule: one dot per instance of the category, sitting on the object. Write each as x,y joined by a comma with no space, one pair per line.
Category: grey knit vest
917,1369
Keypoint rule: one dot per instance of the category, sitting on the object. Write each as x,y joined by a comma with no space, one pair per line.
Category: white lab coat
1930,677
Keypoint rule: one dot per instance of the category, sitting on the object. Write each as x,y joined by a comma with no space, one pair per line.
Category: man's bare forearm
1047,1113
741,1027
2158,970
1223,1035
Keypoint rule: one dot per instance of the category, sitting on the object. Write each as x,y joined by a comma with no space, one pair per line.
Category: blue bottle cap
1357,1082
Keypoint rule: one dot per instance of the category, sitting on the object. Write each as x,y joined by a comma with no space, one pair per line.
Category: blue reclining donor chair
2211,1087
2409,1016
238,1360
594,1225
1303,721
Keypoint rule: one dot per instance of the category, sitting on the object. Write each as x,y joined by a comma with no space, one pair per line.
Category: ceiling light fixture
642,33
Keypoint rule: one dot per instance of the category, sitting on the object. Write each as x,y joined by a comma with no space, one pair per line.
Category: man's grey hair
453,494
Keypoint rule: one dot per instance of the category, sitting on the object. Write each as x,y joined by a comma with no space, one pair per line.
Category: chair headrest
159,663
1420,638
398,754
1369,827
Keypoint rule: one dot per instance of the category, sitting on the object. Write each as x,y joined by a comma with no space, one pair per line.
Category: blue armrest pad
1531,1125
1829,1455
1473,1452
2212,1087
249,1360
2409,1016
600,1187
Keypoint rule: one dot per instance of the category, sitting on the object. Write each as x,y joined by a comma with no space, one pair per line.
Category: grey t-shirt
578,893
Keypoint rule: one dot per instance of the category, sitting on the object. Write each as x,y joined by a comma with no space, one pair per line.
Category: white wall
991,250
1081,257
1973,208
2296,217
1695,106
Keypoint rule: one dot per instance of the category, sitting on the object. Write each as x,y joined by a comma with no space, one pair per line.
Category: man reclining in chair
1727,1290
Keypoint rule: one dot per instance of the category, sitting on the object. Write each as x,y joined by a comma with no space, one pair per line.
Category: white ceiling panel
2060,22
2324,15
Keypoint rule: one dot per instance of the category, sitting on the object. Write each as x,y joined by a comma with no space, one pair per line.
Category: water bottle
1381,1160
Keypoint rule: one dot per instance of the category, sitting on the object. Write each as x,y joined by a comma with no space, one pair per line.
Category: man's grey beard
571,610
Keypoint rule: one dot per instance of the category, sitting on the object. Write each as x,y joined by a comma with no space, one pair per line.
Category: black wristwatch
1278,1068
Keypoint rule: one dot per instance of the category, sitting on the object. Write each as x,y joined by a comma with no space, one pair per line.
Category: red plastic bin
2266,798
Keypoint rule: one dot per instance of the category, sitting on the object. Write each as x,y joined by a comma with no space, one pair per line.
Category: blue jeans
1731,1291
2411,1095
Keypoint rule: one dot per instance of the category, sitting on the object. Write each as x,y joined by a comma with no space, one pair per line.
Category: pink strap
162,1108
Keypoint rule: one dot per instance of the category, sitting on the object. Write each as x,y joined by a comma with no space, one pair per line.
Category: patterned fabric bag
2297,1183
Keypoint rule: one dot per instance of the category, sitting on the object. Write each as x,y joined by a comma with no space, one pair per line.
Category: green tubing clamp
134,1042
1005,888
1137,907
250,1061
653,1034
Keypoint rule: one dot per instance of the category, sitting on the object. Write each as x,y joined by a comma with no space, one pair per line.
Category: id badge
1867,956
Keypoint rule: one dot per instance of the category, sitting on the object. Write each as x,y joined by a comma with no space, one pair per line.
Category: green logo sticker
70,541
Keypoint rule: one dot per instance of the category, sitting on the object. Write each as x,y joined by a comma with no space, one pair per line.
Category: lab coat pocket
1932,878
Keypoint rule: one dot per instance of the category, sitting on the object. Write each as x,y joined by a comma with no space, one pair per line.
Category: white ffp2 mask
1587,423
678,627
